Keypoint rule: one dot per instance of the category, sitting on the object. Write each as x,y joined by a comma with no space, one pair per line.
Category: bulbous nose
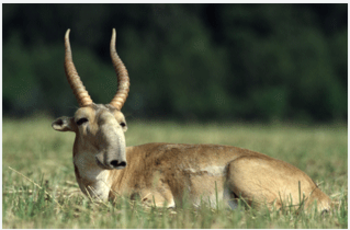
118,165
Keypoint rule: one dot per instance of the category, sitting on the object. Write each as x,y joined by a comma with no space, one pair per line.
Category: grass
40,191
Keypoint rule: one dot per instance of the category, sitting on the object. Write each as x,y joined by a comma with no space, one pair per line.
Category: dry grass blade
35,185
29,192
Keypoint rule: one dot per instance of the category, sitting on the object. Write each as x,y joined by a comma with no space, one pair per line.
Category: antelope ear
64,124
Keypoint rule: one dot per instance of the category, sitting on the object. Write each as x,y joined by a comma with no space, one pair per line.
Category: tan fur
167,174
182,169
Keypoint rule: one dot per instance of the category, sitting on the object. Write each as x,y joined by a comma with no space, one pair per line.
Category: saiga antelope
161,173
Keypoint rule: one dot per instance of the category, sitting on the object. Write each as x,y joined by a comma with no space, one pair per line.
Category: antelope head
99,128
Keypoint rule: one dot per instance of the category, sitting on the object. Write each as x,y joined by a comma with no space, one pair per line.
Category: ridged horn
122,75
73,78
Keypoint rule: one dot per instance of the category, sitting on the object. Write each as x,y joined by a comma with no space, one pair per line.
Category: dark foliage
186,62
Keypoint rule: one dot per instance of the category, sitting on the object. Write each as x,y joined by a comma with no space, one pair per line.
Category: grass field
40,191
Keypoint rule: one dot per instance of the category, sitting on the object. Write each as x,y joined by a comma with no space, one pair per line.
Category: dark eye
82,120
122,124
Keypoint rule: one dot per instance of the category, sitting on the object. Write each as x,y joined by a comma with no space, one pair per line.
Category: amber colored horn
122,75
73,78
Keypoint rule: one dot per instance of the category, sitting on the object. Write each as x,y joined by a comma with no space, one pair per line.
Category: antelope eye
82,120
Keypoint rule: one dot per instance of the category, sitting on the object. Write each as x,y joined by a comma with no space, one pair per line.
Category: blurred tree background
191,62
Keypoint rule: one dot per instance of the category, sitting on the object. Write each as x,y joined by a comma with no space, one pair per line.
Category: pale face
99,135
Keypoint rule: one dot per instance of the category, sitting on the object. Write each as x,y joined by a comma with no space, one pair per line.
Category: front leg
158,199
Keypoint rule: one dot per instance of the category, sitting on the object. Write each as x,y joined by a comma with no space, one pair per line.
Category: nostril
123,164
116,163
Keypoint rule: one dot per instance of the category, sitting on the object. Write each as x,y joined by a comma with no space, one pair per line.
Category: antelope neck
92,179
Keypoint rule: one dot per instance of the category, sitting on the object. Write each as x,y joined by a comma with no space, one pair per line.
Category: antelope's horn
73,78
122,75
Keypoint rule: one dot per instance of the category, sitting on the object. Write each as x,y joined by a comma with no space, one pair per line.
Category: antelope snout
110,162
115,164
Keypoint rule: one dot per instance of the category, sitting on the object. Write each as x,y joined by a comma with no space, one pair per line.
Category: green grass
44,193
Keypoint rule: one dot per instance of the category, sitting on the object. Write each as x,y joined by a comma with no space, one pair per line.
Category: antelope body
165,174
